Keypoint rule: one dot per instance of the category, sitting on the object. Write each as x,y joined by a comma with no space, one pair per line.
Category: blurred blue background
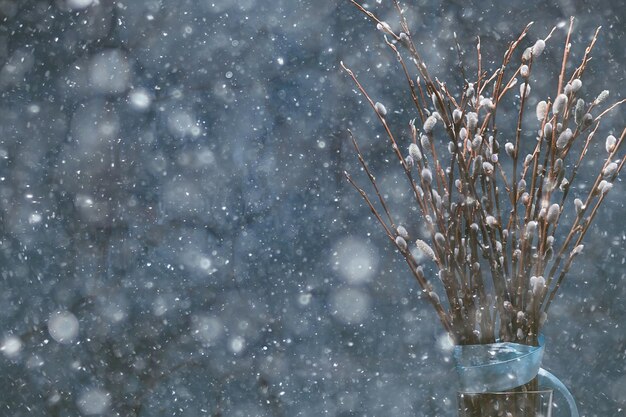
176,236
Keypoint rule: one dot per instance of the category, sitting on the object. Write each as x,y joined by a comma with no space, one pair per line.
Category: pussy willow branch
587,222
461,202
419,276
372,179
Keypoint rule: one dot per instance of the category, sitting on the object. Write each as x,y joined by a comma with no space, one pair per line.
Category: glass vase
505,404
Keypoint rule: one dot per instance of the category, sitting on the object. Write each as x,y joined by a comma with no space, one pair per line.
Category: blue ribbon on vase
498,367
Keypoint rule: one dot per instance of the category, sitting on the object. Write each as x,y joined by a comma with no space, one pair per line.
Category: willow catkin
456,115
384,27
547,130
610,143
472,121
415,152
401,242
380,109
440,240
542,110
601,97
425,249
523,71
538,48
427,176
564,138
610,169
576,85
509,148
559,104
553,213
429,124
524,90
531,228
605,186
579,206
579,111
402,232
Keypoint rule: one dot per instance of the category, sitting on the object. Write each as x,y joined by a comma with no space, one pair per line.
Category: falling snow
178,239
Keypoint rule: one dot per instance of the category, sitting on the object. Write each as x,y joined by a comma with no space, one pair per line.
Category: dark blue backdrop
176,237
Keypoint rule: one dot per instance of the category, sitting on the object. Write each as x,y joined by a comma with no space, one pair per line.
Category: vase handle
548,380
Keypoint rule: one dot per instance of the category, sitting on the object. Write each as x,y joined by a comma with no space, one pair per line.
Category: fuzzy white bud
510,149
528,159
477,166
487,102
429,124
610,143
456,115
523,71
401,243
463,133
427,175
553,213
605,186
568,89
560,103
476,142
425,249
601,97
542,109
578,250
425,142
384,27
538,47
440,240
537,284
415,153
472,120
576,85
580,207
564,138
402,232
524,90
380,109
579,111
610,169
547,130
437,104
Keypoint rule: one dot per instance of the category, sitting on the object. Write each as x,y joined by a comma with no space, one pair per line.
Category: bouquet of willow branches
493,222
